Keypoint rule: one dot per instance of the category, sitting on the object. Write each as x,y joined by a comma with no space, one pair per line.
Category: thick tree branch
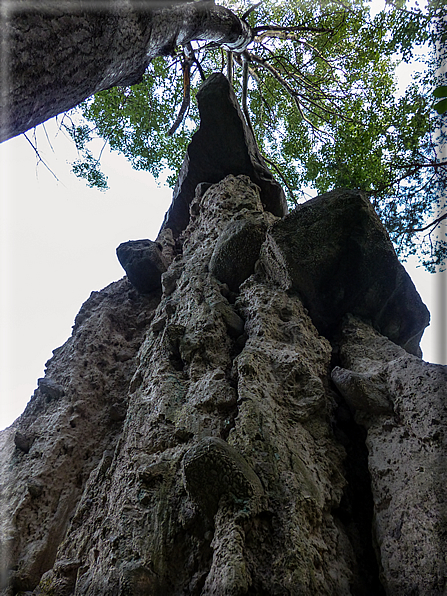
230,67
189,51
432,224
60,53
186,67
245,66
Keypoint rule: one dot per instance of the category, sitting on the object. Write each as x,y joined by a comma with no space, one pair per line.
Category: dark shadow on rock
223,145
144,263
335,253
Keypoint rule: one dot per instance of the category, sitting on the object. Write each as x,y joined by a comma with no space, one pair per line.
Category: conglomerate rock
191,442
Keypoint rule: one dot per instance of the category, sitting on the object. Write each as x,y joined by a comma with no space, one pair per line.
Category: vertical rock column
402,402
227,477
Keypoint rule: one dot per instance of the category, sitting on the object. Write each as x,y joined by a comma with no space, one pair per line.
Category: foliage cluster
324,105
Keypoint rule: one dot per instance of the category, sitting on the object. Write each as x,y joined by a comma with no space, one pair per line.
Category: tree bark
55,55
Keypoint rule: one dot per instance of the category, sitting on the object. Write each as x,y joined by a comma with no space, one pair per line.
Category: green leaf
89,170
441,106
440,91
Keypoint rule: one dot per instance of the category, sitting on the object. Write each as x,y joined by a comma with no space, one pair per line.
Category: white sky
57,245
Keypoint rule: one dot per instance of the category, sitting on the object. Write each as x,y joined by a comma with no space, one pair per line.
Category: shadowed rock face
144,263
223,145
335,253
402,403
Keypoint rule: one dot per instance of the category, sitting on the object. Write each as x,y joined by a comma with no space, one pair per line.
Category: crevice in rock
237,346
229,422
355,510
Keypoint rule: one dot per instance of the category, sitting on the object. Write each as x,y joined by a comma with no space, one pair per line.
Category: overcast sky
58,242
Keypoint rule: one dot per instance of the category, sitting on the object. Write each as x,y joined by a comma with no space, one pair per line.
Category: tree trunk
53,57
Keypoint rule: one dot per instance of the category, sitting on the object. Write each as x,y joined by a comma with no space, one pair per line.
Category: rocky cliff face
254,419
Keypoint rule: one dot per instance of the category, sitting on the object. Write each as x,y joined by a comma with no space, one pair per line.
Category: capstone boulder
223,145
334,252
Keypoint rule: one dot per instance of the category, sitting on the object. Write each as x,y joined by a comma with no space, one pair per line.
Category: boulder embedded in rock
237,251
335,253
223,145
144,263
50,388
22,442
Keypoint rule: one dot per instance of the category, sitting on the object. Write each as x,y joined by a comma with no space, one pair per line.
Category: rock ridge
222,145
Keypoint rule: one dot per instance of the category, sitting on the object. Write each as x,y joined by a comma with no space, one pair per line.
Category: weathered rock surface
263,411
48,454
190,441
144,263
223,145
407,446
131,516
335,253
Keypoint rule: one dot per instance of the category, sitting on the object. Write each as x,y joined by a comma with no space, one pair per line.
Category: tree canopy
319,86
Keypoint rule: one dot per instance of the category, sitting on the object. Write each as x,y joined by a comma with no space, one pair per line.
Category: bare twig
186,66
412,169
39,157
431,164
48,138
100,153
281,175
250,10
303,28
292,72
432,224
293,94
